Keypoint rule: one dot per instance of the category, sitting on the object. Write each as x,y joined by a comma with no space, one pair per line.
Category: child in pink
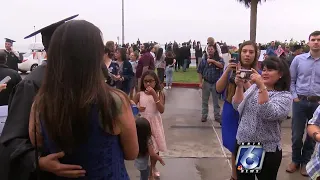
150,102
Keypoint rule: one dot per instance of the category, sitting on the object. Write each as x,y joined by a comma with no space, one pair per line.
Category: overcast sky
166,20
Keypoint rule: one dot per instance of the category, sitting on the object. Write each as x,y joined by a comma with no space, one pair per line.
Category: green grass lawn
191,76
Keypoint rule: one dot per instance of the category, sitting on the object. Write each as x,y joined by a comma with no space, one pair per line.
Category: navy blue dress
101,155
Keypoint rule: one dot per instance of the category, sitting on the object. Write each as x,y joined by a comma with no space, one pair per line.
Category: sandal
156,173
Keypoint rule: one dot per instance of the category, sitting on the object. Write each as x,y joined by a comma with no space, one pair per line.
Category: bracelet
263,89
157,101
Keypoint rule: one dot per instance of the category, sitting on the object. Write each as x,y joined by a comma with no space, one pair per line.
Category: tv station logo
250,158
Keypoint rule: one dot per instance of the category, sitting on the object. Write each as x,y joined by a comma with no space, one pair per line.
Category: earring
280,77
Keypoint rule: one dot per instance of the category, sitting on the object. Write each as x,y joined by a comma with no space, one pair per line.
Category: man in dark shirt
198,53
4,72
209,72
145,63
185,55
12,56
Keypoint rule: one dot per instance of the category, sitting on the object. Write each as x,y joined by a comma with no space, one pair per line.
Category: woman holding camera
226,85
262,108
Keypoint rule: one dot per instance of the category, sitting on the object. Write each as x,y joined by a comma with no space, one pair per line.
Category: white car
32,59
28,64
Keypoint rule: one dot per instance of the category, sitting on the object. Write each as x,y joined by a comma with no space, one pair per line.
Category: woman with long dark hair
160,64
76,113
226,84
125,70
110,68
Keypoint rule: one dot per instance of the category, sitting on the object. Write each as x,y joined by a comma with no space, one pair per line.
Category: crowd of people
75,115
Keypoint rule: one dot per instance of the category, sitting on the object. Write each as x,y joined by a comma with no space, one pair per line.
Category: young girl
145,149
150,101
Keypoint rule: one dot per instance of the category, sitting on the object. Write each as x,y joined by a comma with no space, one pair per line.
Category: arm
276,108
200,71
294,73
223,81
136,98
219,64
238,97
151,64
313,125
219,49
128,134
15,134
154,155
159,102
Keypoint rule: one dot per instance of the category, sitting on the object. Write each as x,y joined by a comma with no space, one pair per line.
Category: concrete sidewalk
195,151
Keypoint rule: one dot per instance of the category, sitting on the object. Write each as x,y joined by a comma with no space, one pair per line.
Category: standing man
185,56
145,63
305,89
209,72
271,50
198,53
12,56
4,72
17,154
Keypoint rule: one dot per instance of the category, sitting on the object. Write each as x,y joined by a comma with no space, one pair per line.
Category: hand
141,109
238,80
117,77
51,164
158,158
132,102
3,86
296,100
231,66
317,138
256,78
149,90
200,85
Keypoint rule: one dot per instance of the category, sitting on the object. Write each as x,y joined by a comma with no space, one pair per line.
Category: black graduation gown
12,60
15,79
17,155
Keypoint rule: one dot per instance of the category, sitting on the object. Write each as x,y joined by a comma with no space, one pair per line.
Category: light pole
35,37
122,22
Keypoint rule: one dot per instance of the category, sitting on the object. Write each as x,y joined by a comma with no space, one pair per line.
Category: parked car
33,58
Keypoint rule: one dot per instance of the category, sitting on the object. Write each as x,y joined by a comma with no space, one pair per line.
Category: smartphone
5,80
234,58
245,74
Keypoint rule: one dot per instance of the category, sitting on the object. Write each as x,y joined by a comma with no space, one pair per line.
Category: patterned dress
152,114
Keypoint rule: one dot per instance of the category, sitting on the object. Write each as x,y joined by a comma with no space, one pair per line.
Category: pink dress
152,114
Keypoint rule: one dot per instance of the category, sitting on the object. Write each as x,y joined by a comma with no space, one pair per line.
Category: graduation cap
9,40
48,31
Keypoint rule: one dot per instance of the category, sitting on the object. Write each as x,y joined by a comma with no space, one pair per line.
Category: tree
253,5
